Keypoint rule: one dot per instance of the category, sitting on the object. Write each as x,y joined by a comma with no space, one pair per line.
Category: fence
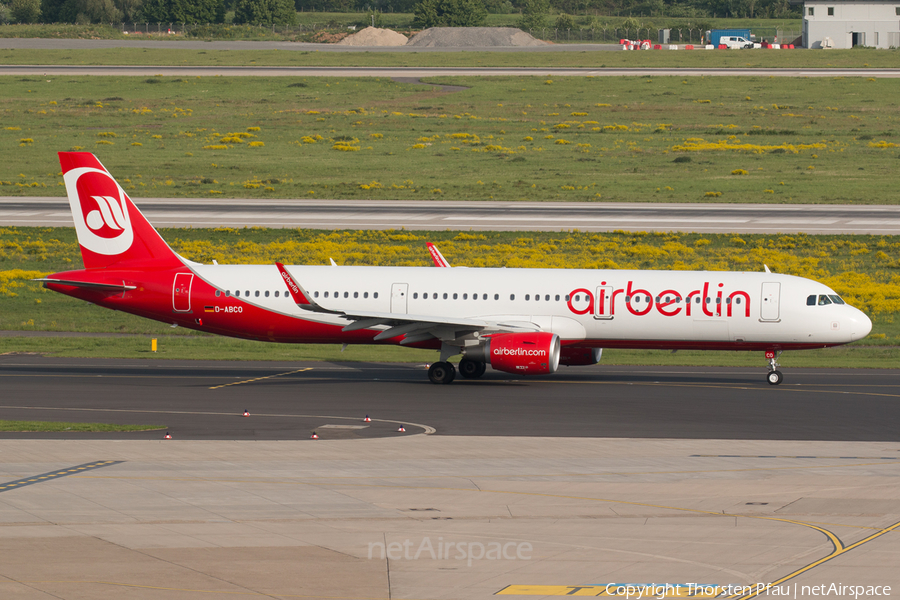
589,36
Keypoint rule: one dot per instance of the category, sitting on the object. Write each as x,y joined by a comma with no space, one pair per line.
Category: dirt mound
455,37
372,36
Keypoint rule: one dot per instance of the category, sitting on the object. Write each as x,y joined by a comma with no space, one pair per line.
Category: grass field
641,139
61,426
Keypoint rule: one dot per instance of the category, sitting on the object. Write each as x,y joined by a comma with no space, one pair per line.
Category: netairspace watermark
467,551
637,591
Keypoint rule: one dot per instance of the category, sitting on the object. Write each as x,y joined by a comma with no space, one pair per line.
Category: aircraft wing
415,328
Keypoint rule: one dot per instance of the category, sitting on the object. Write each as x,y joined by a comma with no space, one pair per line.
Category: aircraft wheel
471,369
774,377
441,372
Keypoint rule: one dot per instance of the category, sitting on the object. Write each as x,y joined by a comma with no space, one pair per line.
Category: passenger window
465,296
718,301
276,293
434,296
512,296
267,294
415,295
557,297
315,294
218,293
375,295
346,294
445,295
578,298
356,294
823,300
707,300
496,296
697,300
737,300
567,297
627,298
727,300
527,296
326,294
537,297
836,299
455,296
365,294
247,294
547,298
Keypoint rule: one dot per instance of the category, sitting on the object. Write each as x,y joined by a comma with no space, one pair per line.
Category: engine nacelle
523,353
572,357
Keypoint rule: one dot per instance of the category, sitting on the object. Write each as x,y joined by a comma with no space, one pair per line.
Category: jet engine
522,353
573,356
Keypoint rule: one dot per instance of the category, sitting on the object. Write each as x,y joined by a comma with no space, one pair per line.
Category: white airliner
525,321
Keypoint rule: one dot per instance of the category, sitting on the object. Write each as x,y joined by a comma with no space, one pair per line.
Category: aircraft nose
861,325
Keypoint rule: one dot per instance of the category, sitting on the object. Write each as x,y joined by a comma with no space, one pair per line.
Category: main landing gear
441,372
775,376
444,372
471,369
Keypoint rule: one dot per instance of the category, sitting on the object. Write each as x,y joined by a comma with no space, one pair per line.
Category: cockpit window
811,300
823,300
836,299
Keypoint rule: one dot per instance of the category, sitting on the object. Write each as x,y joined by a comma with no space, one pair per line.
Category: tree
564,22
449,13
265,12
534,14
25,11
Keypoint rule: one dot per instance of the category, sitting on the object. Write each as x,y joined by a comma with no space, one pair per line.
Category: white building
848,23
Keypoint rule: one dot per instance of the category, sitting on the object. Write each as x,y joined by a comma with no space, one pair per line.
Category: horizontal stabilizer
108,287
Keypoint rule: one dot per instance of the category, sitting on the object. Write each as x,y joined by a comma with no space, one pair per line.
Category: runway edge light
314,436
246,413
168,436
367,419
402,428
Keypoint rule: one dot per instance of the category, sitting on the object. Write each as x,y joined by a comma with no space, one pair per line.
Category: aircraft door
604,310
399,293
181,292
770,303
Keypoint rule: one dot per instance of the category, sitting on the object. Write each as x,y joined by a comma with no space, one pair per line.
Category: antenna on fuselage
766,267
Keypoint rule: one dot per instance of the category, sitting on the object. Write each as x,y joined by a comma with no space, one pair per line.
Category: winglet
436,256
297,293
300,296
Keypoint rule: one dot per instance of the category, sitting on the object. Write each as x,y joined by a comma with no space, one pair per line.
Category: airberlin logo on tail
100,209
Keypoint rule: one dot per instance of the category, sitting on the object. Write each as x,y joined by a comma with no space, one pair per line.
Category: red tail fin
110,228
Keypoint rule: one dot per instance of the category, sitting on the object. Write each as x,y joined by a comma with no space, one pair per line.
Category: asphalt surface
206,400
489,216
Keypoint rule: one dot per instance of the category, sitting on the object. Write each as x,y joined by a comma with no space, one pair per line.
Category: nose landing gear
775,376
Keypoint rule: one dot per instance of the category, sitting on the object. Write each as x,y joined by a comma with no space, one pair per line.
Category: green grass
217,348
609,139
61,426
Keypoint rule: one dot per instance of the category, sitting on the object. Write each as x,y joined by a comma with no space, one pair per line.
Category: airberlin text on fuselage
668,303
